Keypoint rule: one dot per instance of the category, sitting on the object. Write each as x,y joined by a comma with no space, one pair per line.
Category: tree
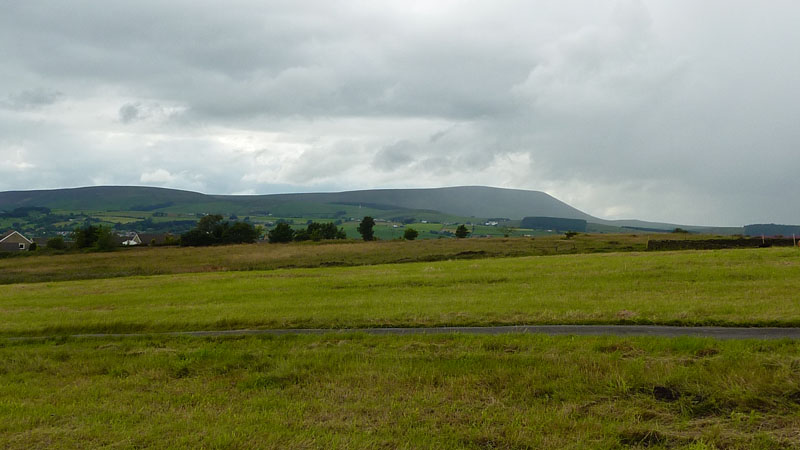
196,238
410,234
365,228
211,230
281,233
85,237
316,231
208,223
105,239
461,231
301,235
240,233
56,243
570,234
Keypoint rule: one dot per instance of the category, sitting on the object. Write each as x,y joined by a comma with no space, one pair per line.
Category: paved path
553,330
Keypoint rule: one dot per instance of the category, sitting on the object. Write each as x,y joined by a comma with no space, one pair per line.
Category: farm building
13,241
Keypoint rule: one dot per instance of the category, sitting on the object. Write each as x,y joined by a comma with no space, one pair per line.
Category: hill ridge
467,201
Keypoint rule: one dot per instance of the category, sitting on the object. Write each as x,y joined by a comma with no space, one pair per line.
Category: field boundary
552,330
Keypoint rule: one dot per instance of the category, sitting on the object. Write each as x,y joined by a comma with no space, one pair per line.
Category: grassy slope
734,287
341,391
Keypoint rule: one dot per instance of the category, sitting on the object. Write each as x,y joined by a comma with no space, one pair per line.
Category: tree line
314,231
213,230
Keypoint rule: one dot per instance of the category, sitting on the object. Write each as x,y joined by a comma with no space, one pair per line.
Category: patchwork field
361,391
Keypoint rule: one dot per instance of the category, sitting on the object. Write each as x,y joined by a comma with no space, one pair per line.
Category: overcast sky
679,111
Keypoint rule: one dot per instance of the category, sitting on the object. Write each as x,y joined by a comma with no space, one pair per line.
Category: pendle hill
442,204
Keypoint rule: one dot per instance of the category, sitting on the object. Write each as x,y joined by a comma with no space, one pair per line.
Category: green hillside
468,201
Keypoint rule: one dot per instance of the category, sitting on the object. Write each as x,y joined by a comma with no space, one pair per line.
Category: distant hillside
442,204
99,198
771,229
468,201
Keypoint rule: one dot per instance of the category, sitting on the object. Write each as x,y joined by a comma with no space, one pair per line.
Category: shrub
410,234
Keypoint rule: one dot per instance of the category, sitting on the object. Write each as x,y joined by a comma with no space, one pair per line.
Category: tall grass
355,391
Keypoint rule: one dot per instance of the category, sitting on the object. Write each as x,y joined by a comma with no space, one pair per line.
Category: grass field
356,391
727,287
30,267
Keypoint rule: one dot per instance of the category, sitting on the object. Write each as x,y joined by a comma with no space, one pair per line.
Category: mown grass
727,287
170,260
357,391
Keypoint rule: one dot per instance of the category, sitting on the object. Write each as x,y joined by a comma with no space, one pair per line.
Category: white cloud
14,159
158,176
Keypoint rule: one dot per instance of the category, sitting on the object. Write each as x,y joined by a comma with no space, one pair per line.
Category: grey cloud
395,155
668,110
129,112
32,98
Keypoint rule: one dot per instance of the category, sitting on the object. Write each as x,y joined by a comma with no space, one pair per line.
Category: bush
410,234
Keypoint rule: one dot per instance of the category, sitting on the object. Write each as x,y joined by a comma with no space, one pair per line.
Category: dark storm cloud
674,111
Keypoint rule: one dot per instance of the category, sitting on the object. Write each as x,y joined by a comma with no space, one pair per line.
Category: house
145,239
12,241
130,240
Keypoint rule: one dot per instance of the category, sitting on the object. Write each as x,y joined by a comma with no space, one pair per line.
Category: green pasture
728,287
357,391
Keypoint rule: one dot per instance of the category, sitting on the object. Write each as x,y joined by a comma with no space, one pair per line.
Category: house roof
8,234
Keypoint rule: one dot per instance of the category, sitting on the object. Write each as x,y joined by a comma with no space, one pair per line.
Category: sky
675,110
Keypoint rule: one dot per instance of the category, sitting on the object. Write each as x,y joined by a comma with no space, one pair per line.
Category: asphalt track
552,330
